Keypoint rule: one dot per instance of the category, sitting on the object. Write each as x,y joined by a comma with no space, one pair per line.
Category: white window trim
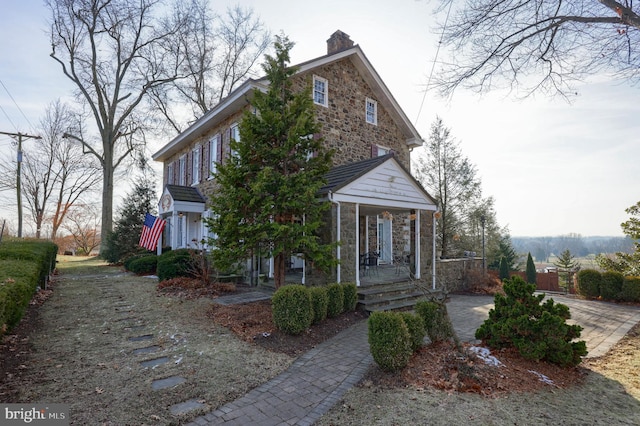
383,150
375,111
326,91
235,129
213,155
182,175
170,167
196,164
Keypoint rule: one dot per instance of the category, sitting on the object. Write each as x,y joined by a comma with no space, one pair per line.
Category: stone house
377,206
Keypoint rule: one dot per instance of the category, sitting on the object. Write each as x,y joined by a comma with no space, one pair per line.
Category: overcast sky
553,168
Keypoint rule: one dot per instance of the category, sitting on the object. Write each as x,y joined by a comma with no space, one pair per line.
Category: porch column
417,249
174,231
338,240
357,247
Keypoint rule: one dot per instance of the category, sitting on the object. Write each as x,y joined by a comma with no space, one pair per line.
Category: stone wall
452,274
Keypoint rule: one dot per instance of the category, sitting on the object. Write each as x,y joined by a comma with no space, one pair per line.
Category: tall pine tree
267,202
531,270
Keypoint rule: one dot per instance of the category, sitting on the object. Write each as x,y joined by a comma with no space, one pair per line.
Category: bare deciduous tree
537,45
83,223
220,52
114,52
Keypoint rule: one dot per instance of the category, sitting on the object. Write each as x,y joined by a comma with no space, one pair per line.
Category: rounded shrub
611,285
436,320
415,325
350,296
143,265
389,340
319,303
630,291
291,309
175,263
589,283
335,293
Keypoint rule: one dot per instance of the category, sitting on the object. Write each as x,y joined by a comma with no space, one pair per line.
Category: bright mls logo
36,414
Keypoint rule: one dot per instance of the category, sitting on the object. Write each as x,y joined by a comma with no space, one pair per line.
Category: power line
444,27
17,106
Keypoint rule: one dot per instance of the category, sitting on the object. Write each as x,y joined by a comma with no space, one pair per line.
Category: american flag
151,231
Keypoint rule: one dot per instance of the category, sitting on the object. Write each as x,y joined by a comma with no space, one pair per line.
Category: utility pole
20,136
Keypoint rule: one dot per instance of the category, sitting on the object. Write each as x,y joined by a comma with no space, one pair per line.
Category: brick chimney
337,42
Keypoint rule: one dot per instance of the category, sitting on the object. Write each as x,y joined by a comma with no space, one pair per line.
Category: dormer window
320,91
371,111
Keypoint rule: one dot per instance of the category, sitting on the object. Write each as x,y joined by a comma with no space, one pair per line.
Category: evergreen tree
567,266
504,250
504,269
123,241
626,263
266,203
531,270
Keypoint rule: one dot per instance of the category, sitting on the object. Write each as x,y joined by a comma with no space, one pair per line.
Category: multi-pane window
320,91
235,135
214,153
371,111
170,171
182,176
195,162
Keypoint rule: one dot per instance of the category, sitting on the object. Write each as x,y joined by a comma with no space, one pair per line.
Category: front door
384,240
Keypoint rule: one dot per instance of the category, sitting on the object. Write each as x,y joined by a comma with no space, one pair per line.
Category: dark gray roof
185,193
342,175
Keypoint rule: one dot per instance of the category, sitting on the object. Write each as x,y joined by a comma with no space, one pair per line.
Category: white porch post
338,238
417,259
174,231
357,247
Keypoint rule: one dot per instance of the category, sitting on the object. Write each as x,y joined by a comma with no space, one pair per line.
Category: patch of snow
485,355
542,377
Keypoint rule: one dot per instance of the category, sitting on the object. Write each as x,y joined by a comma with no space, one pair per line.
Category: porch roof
185,193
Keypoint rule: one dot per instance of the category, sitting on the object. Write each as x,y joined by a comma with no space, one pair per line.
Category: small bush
175,263
389,340
611,285
319,303
589,283
335,293
415,325
537,330
350,296
436,320
144,264
630,291
291,307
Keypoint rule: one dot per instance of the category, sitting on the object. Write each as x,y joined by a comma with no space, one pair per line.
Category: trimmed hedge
389,340
319,303
142,264
611,285
291,309
589,283
415,325
24,265
436,320
172,264
350,293
335,292
630,291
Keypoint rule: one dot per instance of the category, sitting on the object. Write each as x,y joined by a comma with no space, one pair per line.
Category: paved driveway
604,323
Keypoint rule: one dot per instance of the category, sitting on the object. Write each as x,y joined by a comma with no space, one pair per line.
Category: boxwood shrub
350,293
142,264
291,309
589,283
611,285
319,303
389,340
630,291
436,320
175,263
415,325
335,292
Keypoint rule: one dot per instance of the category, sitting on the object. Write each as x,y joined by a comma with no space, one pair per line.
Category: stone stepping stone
150,363
135,327
126,319
141,338
185,407
168,382
146,350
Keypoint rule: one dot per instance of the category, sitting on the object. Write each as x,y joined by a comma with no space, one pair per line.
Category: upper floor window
320,91
195,164
170,172
235,135
379,151
214,153
182,170
371,111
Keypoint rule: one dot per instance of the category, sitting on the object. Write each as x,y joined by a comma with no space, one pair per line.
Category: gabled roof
239,98
342,175
185,193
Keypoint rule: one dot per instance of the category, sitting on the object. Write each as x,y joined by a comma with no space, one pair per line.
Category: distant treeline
543,247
